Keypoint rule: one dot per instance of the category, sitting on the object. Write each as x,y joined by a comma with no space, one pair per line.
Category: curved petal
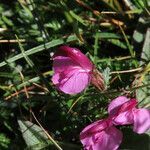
91,129
115,104
61,63
124,114
75,82
141,120
86,136
77,56
123,118
60,78
108,139
55,78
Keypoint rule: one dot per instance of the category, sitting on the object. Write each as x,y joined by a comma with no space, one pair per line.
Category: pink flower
72,70
101,135
123,111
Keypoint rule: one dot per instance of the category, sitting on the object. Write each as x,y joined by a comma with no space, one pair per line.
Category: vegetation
113,34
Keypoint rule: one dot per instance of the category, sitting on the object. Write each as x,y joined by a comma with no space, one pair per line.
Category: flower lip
98,127
120,105
127,106
76,55
81,69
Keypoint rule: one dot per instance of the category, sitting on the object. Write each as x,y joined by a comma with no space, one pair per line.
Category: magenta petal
55,78
141,120
123,118
75,83
87,135
59,78
108,140
76,55
101,135
93,128
124,115
61,63
120,110
115,104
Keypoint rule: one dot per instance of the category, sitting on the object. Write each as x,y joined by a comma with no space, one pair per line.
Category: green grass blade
96,46
40,48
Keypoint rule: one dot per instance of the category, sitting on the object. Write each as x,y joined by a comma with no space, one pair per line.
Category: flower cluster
103,134
73,72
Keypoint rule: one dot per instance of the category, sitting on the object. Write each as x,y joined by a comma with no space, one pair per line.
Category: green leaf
7,21
96,46
77,17
118,43
143,94
140,31
6,75
141,40
109,35
4,141
33,135
26,9
36,139
107,76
